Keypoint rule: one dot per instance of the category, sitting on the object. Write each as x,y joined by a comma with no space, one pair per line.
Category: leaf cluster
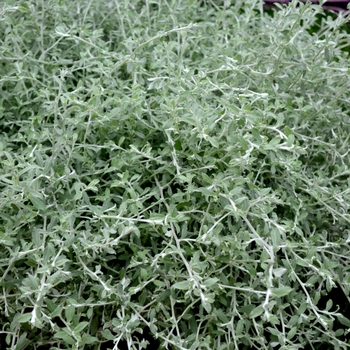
174,175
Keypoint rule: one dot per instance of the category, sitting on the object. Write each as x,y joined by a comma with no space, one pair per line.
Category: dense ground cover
173,175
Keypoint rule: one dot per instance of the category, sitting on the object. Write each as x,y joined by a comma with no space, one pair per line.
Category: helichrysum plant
174,174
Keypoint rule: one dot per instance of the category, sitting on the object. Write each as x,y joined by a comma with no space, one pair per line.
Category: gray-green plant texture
174,174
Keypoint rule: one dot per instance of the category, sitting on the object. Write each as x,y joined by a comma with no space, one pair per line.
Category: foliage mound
174,174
